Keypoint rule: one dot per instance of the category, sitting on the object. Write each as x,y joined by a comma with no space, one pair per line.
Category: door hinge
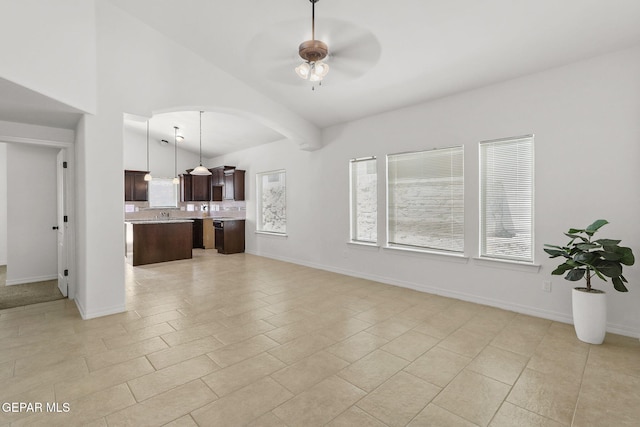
66,273
65,218
64,165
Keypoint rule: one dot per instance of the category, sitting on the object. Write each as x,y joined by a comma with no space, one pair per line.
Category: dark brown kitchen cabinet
201,188
234,184
185,188
136,189
195,188
197,234
217,182
229,236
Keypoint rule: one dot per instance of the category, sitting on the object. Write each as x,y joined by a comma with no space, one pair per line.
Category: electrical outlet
546,286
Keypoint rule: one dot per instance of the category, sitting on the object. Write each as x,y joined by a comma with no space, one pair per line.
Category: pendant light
201,170
147,176
176,180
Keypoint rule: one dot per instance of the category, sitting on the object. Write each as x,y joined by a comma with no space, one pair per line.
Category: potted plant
585,258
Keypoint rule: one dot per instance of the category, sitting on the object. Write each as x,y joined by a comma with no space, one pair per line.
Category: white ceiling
221,133
427,48
384,55
19,104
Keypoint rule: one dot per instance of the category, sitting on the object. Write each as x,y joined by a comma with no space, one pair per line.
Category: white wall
586,121
3,204
161,156
49,47
141,73
31,213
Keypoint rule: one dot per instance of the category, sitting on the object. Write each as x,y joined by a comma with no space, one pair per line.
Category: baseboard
24,280
505,305
86,315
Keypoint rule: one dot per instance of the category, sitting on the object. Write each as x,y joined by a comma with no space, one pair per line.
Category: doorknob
55,227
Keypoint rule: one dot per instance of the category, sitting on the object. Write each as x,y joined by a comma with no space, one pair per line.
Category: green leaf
596,225
627,255
575,274
586,257
607,242
554,253
554,246
575,236
587,246
561,269
618,285
575,230
611,256
610,268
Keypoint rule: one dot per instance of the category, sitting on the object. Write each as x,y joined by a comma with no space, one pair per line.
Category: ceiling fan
313,52
350,49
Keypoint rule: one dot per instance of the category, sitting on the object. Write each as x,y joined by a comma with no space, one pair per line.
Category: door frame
68,197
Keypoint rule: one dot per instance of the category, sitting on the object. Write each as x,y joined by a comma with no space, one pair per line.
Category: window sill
449,256
508,264
271,233
363,244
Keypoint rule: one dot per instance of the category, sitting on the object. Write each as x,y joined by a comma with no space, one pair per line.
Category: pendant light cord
147,146
201,137
175,151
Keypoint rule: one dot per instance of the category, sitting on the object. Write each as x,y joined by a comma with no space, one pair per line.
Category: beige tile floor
243,340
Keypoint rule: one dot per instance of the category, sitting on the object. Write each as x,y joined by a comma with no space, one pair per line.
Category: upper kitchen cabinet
217,182
136,189
195,188
234,184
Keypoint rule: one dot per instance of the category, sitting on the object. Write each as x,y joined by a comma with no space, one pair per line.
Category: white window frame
260,225
427,248
354,235
482,240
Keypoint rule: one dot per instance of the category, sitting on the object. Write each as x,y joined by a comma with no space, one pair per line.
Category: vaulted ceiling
383,55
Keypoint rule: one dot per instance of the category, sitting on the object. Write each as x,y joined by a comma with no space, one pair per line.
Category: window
426,199
364,200
271,202
506,199
163,193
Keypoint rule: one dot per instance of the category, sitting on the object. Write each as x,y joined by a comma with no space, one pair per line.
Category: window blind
426,199
506,198
364,200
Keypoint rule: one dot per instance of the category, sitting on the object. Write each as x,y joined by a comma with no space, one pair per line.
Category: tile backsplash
228,208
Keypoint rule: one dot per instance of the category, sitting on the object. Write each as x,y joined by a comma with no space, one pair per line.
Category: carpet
28,293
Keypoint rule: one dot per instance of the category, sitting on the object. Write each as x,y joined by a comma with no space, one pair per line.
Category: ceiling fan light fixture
303,69
313,52
320,69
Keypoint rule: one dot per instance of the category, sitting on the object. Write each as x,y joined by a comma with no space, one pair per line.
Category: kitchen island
152,241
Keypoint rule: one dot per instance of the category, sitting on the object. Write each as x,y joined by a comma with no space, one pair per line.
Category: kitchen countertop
157,221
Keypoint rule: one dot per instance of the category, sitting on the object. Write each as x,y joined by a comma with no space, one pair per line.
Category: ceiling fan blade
274,52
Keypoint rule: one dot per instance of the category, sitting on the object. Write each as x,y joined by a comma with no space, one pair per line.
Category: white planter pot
589,315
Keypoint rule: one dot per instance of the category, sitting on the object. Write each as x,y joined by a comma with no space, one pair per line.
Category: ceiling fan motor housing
313,50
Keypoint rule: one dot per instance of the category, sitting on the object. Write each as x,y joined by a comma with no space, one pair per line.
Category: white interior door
63,283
